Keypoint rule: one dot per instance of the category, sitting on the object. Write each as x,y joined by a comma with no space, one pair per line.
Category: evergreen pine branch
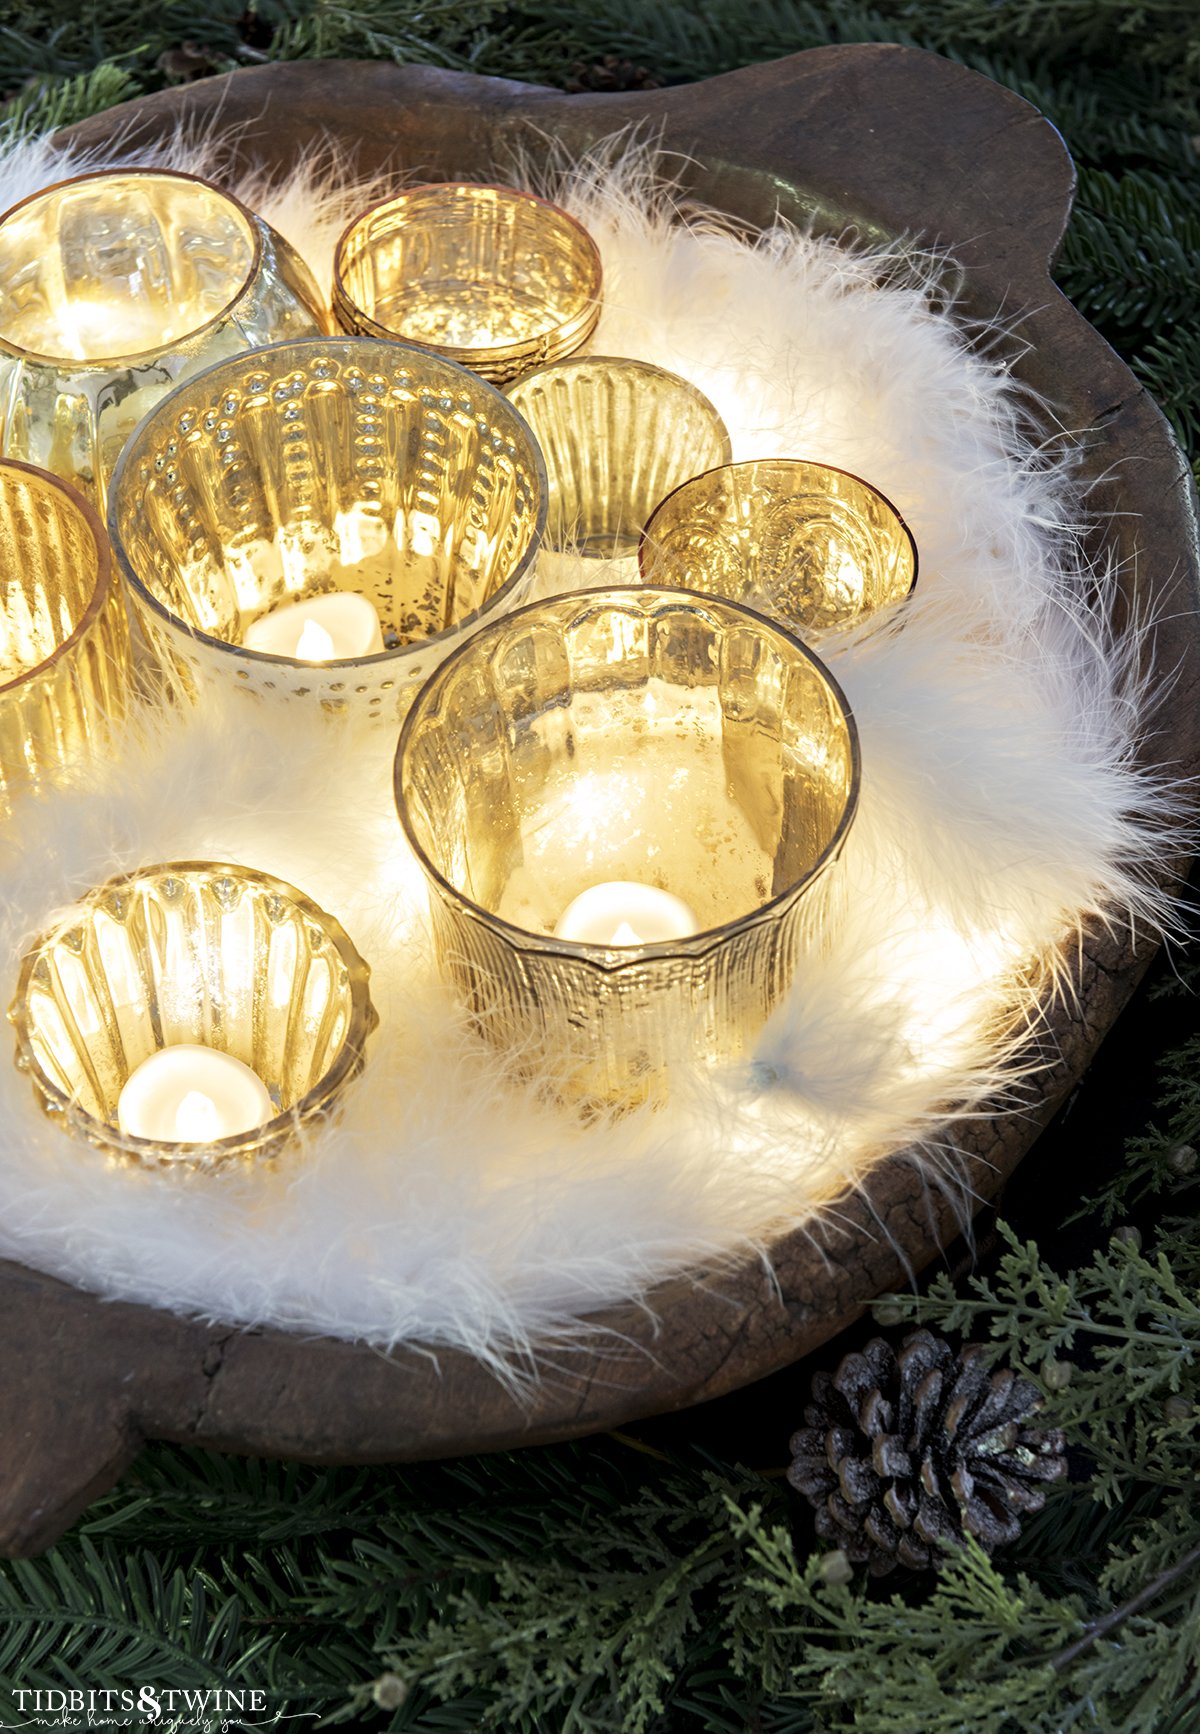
60,39
169,1490
1125,258
45,105
1161,1163
436,32
116,1614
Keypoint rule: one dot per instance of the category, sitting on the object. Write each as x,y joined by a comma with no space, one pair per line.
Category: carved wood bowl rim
839,136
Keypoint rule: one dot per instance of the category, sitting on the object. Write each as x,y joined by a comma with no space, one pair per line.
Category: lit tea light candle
319,629
191,1094
591,739
626,912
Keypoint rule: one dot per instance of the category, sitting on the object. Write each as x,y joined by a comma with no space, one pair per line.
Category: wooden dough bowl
888,141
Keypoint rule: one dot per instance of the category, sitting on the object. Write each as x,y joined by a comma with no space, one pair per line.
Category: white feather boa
1001,806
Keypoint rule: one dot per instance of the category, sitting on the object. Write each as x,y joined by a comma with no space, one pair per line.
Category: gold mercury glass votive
115,285
318,467
628,740
495,279
194,952
617,435
64,638
814,547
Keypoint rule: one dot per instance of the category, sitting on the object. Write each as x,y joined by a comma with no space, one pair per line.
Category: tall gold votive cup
813,546
493,278
646,735
196,952
617,435
64,638
115,285
330,464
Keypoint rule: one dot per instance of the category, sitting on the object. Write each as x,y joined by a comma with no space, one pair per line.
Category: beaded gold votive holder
332,468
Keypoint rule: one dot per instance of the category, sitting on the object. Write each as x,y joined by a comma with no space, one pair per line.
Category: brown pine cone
904,1451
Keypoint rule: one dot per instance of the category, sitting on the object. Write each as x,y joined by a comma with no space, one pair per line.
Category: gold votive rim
562,335
610,960
648,566
371,351
104,581
260,1142
139,358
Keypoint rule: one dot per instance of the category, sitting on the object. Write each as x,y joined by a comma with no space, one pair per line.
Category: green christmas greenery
604,1587
610,1585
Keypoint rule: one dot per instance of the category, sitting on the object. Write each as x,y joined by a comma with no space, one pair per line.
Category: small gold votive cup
64,637
326,465
812,546
113,286
196,952
617,435
640,735
493,278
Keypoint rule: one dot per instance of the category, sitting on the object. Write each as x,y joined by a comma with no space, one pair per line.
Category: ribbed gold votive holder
64,638
324,466
640,737
115,285
815,547
191,952
617,435
493,278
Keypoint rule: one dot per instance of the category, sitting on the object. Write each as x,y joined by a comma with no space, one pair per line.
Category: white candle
626,912
319,629
189,1094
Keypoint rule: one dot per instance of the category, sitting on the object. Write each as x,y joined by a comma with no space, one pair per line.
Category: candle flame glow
196,1119
314,643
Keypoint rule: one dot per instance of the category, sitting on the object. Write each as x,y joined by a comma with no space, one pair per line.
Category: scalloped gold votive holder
64,637
676,741
617,435
196,952
492,278
812,546
326,465
115,285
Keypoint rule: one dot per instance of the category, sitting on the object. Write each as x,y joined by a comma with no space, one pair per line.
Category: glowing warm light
626,912
319,629
955,979
197,1120
83,329
192,1094
314,643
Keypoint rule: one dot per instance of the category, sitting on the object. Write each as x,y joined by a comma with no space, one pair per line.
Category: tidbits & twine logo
213,1710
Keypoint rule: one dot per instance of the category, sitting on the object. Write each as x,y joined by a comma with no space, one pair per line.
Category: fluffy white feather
450,1204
